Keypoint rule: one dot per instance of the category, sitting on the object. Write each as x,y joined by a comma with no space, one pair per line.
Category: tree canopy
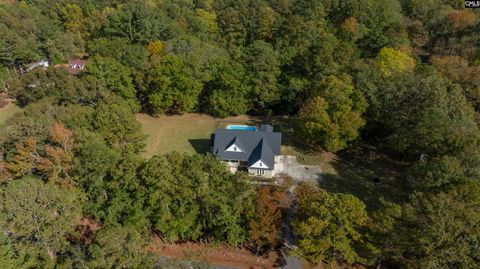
402,77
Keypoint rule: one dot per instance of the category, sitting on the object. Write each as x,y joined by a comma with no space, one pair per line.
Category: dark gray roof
262,152
266,128
237,143
263,144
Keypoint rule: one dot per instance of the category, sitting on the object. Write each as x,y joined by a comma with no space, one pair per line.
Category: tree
263,68
54,163
24,161
266,223
435,230
172,198
156,48
120,247
54,83
196,197
332,118
131,55
392,61
43,213
328,225
461,19
225,94
116,123
459,70
117,78
72,16
419,113
171,86
208,19
57,163
139,22
93,162
443,123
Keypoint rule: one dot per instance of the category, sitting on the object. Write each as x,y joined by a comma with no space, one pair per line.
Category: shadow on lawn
201,146
367,174
287,126
362,171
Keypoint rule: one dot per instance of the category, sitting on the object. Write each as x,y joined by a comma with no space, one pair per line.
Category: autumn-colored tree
328,225
156,48
418,34
458,69
461,19
352,27
5,175
332,118
265,225
209,18
23,163
57,162
452,66
72,16
54,163
392,61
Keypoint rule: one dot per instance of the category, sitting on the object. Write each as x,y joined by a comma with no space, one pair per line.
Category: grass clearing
188,133
363,170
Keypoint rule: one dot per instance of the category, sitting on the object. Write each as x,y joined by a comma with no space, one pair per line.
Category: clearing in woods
363,170
188,133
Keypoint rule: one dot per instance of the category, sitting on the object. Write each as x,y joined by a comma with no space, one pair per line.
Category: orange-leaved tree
265,225
53,163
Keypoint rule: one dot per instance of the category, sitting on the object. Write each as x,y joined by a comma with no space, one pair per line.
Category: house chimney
266,128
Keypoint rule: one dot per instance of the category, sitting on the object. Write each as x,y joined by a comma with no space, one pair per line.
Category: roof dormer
235,146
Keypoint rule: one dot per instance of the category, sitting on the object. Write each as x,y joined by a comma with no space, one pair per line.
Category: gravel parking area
288,165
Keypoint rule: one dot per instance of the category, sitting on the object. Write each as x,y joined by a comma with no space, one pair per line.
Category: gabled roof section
264,153
236,141
255,145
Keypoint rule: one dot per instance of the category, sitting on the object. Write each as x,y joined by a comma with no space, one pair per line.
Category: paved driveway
288,165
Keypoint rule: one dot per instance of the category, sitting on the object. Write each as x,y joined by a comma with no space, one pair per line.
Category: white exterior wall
267,173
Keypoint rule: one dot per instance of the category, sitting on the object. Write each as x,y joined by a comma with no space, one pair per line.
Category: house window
235,149
260,164
260,172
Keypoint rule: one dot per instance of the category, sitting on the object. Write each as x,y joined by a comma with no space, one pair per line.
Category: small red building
76,66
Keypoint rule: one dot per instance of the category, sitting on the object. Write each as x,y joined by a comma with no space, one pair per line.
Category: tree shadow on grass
367,174
201,146
288,126
363,171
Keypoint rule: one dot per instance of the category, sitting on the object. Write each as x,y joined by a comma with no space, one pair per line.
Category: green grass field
7,112
189,133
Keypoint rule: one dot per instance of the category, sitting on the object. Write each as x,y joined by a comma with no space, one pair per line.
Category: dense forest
403,75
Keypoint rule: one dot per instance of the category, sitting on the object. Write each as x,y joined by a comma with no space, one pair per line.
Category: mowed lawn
7,112
188,133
